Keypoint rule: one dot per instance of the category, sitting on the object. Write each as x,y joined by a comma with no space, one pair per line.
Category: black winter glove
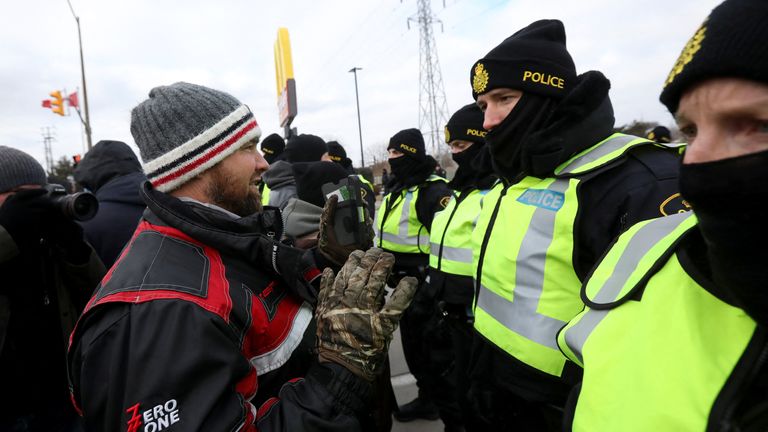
25,215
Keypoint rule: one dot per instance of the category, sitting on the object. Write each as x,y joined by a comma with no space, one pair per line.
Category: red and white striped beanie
184,129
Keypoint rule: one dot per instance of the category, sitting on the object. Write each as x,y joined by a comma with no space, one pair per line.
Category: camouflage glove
354,325
329,246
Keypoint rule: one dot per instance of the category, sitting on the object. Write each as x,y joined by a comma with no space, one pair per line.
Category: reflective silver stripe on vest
637,247
604,149
462,255
402,238
520,315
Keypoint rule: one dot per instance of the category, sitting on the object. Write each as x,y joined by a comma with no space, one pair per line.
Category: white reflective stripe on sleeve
272,360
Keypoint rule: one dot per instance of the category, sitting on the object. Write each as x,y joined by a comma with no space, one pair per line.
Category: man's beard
226,193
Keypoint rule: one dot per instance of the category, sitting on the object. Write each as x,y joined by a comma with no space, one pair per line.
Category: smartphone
349,219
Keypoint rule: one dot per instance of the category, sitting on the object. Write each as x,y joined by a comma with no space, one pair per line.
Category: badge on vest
543,198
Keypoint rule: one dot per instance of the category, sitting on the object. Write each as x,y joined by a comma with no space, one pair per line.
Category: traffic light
76,159
57,103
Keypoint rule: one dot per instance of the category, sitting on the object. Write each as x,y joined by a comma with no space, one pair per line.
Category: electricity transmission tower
433,107
48,138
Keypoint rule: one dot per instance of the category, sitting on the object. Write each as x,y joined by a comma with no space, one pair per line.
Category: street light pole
82,72
359,127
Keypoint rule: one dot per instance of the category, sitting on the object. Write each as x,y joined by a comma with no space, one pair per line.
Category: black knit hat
466,124
336,152
311,176
18,168
410,142
660,134
272,146
305,148
532,60
732,42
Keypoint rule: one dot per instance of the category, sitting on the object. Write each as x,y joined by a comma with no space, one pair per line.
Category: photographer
48,274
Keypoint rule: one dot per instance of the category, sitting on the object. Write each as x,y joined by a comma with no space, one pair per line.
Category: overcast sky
132,46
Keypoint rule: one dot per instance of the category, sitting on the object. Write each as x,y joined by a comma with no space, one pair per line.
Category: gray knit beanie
184,129
18,168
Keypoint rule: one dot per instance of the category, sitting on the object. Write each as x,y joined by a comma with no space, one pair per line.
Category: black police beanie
311,176
336,152
305,148
732,42
534,60
660,134
466,124
410,142
272,146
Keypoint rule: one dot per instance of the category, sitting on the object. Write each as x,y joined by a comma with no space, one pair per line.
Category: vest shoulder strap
600,155
635,256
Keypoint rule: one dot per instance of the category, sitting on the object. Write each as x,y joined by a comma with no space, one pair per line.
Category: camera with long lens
81,206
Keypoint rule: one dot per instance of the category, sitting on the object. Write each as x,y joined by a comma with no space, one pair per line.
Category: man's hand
25,215
328,244
354,325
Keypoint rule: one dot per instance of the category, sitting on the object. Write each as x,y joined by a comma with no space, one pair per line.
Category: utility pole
48,138
87,121
359,127
433,107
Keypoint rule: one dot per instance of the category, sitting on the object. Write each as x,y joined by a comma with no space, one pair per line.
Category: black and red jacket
190,330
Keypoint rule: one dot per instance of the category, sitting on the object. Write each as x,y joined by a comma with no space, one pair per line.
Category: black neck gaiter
730,199
466,174
507,140
408,172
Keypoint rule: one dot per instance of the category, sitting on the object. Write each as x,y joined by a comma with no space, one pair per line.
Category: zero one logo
158,418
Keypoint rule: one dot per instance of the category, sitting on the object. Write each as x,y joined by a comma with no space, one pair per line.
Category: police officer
272,148
660,134
450,265
675,334
570,185
403,224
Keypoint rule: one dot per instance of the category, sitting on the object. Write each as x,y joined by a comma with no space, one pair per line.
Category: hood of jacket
301,218
582,119
105,161
123,189
278,175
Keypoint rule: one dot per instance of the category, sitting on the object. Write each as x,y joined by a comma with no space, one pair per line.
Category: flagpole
87,121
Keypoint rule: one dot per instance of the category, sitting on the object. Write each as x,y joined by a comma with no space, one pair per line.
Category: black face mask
730,199
408,171
507,140
466,173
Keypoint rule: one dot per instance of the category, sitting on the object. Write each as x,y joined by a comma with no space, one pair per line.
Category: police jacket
192,331
663,346
417,203
637,183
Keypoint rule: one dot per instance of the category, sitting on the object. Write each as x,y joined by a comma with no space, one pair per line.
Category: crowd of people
566,277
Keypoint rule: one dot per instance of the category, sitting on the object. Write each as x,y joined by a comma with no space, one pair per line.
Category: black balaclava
730,199
729,196
311,176
272,147
466,124
506,141
415,166
305,148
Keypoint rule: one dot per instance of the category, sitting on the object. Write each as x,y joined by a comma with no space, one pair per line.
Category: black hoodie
113,173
